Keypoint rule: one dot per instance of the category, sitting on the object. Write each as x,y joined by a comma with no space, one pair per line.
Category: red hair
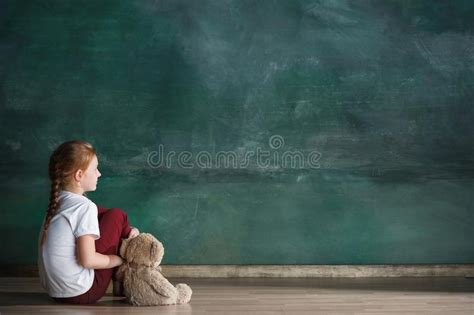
69,157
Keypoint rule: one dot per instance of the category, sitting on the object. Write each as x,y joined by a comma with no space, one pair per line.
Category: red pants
113,226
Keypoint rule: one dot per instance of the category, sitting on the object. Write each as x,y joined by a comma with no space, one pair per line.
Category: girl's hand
134,232
116,260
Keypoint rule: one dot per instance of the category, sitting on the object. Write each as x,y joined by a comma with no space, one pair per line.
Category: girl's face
88,181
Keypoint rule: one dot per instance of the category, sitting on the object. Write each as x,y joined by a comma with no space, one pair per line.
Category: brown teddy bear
143,283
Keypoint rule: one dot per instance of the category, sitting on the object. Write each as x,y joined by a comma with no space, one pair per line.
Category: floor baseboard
286,271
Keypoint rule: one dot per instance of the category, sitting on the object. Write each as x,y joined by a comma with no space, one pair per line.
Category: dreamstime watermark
231,159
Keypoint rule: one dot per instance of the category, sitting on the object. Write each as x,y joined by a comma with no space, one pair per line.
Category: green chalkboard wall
360,112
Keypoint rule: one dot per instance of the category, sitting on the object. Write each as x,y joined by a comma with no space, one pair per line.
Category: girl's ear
124,247
78,175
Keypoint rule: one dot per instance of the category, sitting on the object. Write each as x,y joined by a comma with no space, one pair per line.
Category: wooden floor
270,296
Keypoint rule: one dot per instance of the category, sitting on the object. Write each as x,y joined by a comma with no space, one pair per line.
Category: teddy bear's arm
120,273
159,283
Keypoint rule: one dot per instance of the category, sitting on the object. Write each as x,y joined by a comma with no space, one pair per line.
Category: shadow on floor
37,298
37,302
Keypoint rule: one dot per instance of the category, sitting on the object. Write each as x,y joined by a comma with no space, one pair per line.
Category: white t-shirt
60,273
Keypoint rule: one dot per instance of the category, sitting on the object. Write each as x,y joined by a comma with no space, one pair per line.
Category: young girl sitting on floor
79,242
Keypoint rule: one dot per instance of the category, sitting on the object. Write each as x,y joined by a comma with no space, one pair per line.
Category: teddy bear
143,283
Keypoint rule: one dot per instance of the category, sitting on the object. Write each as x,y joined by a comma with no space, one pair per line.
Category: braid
55,175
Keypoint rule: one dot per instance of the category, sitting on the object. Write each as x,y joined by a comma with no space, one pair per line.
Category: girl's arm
89,258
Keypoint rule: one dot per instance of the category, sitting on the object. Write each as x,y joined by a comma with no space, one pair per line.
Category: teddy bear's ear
156,252
123,247
133,249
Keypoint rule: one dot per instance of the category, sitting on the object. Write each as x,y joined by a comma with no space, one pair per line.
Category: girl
79,241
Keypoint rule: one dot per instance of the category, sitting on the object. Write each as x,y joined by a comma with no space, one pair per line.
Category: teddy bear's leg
184,293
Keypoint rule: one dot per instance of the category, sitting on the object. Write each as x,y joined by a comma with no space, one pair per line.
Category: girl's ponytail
52,207
63,163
